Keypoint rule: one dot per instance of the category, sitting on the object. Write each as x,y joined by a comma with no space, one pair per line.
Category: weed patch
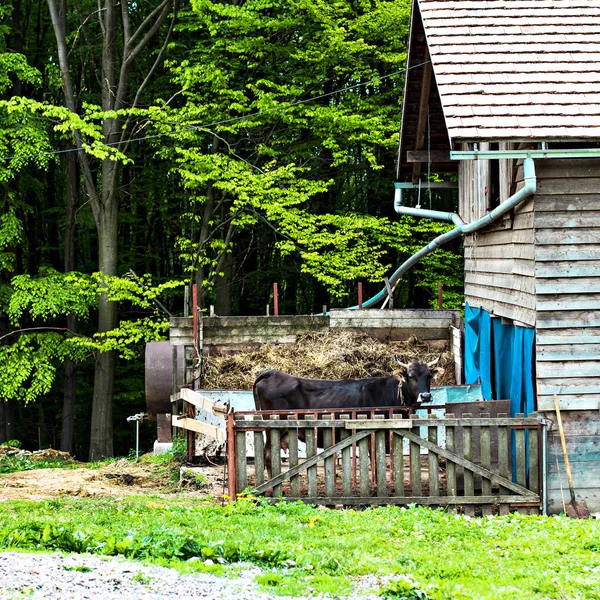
413,553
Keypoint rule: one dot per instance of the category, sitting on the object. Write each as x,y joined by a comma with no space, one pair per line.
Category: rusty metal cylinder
159,363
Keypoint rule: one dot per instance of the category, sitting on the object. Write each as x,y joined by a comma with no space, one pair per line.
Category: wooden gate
355,457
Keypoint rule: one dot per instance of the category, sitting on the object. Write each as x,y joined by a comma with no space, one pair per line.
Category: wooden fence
384,457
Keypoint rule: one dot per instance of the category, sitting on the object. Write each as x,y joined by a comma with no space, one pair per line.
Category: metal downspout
461,229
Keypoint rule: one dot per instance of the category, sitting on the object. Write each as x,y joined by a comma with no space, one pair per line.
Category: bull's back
275,390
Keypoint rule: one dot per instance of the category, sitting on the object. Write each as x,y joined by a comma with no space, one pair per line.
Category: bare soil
119,479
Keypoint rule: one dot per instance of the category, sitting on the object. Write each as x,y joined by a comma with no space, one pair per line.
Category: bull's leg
268,461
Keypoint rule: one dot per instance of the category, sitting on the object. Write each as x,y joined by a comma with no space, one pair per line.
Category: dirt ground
120,479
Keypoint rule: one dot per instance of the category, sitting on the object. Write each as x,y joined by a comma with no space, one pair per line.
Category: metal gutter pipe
422,212
461,229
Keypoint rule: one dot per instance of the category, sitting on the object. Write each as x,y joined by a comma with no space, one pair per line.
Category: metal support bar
537,153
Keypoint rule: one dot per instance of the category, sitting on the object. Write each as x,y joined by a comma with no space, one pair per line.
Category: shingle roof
516,69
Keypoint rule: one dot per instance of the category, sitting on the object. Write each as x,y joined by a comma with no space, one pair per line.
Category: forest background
149,144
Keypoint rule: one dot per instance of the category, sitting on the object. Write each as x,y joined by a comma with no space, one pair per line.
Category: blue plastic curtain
510,374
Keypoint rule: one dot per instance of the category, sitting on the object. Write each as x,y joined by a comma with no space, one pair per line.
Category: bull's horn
403,365
434,362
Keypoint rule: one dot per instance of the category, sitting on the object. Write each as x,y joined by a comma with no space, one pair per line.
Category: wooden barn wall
230,333
567,269
499,261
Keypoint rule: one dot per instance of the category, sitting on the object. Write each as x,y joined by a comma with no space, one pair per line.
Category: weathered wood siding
582,431
235,332
499,261
567,285
425,324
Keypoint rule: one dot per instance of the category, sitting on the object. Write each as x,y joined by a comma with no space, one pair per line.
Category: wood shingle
516,69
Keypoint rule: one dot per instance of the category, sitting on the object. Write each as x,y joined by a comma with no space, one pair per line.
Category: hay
321,355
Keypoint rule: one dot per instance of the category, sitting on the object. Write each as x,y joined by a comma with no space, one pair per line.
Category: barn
502,99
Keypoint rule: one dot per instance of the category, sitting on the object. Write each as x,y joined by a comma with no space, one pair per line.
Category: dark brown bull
275,390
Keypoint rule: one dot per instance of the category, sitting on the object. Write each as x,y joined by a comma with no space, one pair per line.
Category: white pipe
461,229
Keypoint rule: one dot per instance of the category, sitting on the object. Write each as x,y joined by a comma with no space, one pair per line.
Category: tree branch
40,329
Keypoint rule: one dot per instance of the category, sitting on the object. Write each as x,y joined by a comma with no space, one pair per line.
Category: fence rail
389,456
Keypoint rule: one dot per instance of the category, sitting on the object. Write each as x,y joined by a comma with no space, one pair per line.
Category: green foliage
414,553
16,464
280,164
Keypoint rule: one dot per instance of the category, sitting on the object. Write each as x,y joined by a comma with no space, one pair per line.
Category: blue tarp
501,355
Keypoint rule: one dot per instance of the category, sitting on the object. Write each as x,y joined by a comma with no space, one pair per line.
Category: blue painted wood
579,448
546,403
586,474
572,368
547,339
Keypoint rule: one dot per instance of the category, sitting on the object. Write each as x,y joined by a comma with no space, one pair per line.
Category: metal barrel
159,376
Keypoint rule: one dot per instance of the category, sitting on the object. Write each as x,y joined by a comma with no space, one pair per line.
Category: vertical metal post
440,295
137,438
544,470
195,316
186,301
360,295
275,299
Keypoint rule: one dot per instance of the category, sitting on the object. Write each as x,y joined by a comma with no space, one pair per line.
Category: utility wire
222,122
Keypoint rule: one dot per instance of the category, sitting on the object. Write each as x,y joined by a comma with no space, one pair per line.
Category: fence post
275,299
440,295
231,474
360,295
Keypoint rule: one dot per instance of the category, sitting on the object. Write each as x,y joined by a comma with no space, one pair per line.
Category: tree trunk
70,382
223,287
101,438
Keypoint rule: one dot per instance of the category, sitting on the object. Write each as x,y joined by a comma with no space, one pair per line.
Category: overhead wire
221,122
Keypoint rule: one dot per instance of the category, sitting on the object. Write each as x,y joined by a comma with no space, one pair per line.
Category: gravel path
55,576
61,576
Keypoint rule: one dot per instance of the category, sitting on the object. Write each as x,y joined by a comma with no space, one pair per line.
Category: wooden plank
567,202
276,460
579,447
566,268
505,295
346,465
200,401
378,424
583,422
500,309
259,458
510,282
558,252
554,220
381,463
565,352
402,314
423,156
450,465
525,268
546,403
586,474
569,236
293,450
568,318
361,322
522,251
468,455
398,444
588,368
311,452
534,461
568,336
434,471
423,500
328,463
503,454
415,463
590,495
571,301
277,424
240,456
365,481
199,427
519,437
486,461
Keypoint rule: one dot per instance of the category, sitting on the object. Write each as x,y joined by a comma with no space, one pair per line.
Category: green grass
413,553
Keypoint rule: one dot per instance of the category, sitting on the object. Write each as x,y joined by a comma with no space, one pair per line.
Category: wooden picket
384,456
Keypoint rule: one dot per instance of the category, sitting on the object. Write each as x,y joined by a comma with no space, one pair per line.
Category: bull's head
416,379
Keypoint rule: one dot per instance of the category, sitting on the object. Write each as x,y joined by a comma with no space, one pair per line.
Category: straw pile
322,355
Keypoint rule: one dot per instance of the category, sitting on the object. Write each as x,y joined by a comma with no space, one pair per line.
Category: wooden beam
423,109
420,156
199,427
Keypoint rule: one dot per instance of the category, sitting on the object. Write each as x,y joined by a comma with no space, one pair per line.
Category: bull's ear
399,375
438,372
